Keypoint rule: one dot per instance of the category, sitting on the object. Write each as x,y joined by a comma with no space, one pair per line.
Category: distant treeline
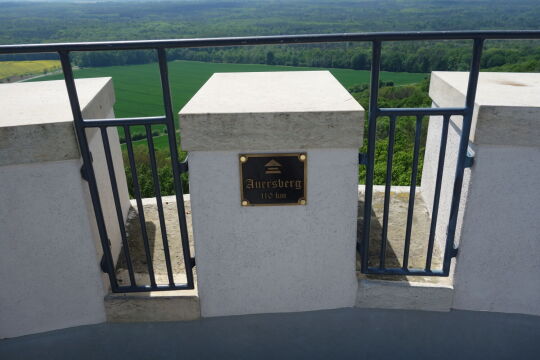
418,57
42,22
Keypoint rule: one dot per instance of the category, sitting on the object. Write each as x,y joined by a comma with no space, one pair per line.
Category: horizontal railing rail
272,40
376,39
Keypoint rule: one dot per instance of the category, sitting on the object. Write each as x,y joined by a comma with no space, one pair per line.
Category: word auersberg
274,184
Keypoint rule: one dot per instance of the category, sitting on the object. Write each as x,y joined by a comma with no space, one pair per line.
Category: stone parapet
497,232
263,259
270,110
37,123
506,108
49,244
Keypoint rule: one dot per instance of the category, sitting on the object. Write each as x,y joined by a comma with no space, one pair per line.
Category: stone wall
49,250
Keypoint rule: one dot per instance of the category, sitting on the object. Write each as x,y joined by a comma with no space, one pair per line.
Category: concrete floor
331,334
394,255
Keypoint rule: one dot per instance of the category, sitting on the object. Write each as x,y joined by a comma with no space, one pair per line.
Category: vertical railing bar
412,191
118,206
137,193
157,190
171,134
87,164
372,125
437,195
387,194
462,152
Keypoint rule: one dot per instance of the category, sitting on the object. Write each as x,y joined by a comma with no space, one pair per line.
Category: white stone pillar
262,259
498,264
49,245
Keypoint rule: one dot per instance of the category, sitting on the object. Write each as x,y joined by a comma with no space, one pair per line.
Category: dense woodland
28,22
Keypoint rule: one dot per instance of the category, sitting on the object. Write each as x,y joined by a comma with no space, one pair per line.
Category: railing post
370,167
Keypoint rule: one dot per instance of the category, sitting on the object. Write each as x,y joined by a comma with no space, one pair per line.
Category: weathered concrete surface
49,266
411,295
154,231
497,265
429,174
401,292
156,305
273,258
179,305
37,123
397,225
271,110
506,106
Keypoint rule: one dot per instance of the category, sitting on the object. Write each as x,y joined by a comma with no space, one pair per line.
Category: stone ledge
37,123
271,110
507,111
404,295
181,305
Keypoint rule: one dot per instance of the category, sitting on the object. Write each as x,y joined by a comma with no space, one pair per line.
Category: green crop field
138,89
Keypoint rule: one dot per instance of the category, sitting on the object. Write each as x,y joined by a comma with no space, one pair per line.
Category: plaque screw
302,202
244,203
302,157
243,159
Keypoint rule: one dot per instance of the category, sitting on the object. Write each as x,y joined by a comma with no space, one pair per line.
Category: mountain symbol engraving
273,167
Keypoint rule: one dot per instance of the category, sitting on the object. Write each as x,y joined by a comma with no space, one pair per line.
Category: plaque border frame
297,154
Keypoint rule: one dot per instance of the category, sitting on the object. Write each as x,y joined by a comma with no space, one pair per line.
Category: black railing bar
137,193
401,271
173,148
87,163
272,40
462,152
387,194
151,120
372,125
412,191
157,190
437,195
147,288
421,111
117,204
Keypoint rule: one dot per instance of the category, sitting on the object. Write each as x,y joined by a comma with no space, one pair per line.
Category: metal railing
376,39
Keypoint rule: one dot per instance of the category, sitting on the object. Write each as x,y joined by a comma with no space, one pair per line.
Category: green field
138,89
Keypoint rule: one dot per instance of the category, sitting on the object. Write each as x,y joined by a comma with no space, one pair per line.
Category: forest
39,22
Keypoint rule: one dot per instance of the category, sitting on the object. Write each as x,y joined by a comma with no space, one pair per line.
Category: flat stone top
507,105
497,88
44,102
271,111
275,92
37,123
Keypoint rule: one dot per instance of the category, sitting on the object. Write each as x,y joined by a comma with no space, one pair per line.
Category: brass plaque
273,179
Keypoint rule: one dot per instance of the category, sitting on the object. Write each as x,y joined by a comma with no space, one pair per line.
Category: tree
270,58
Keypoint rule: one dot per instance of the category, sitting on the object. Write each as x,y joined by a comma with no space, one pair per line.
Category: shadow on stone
397,225
375,243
